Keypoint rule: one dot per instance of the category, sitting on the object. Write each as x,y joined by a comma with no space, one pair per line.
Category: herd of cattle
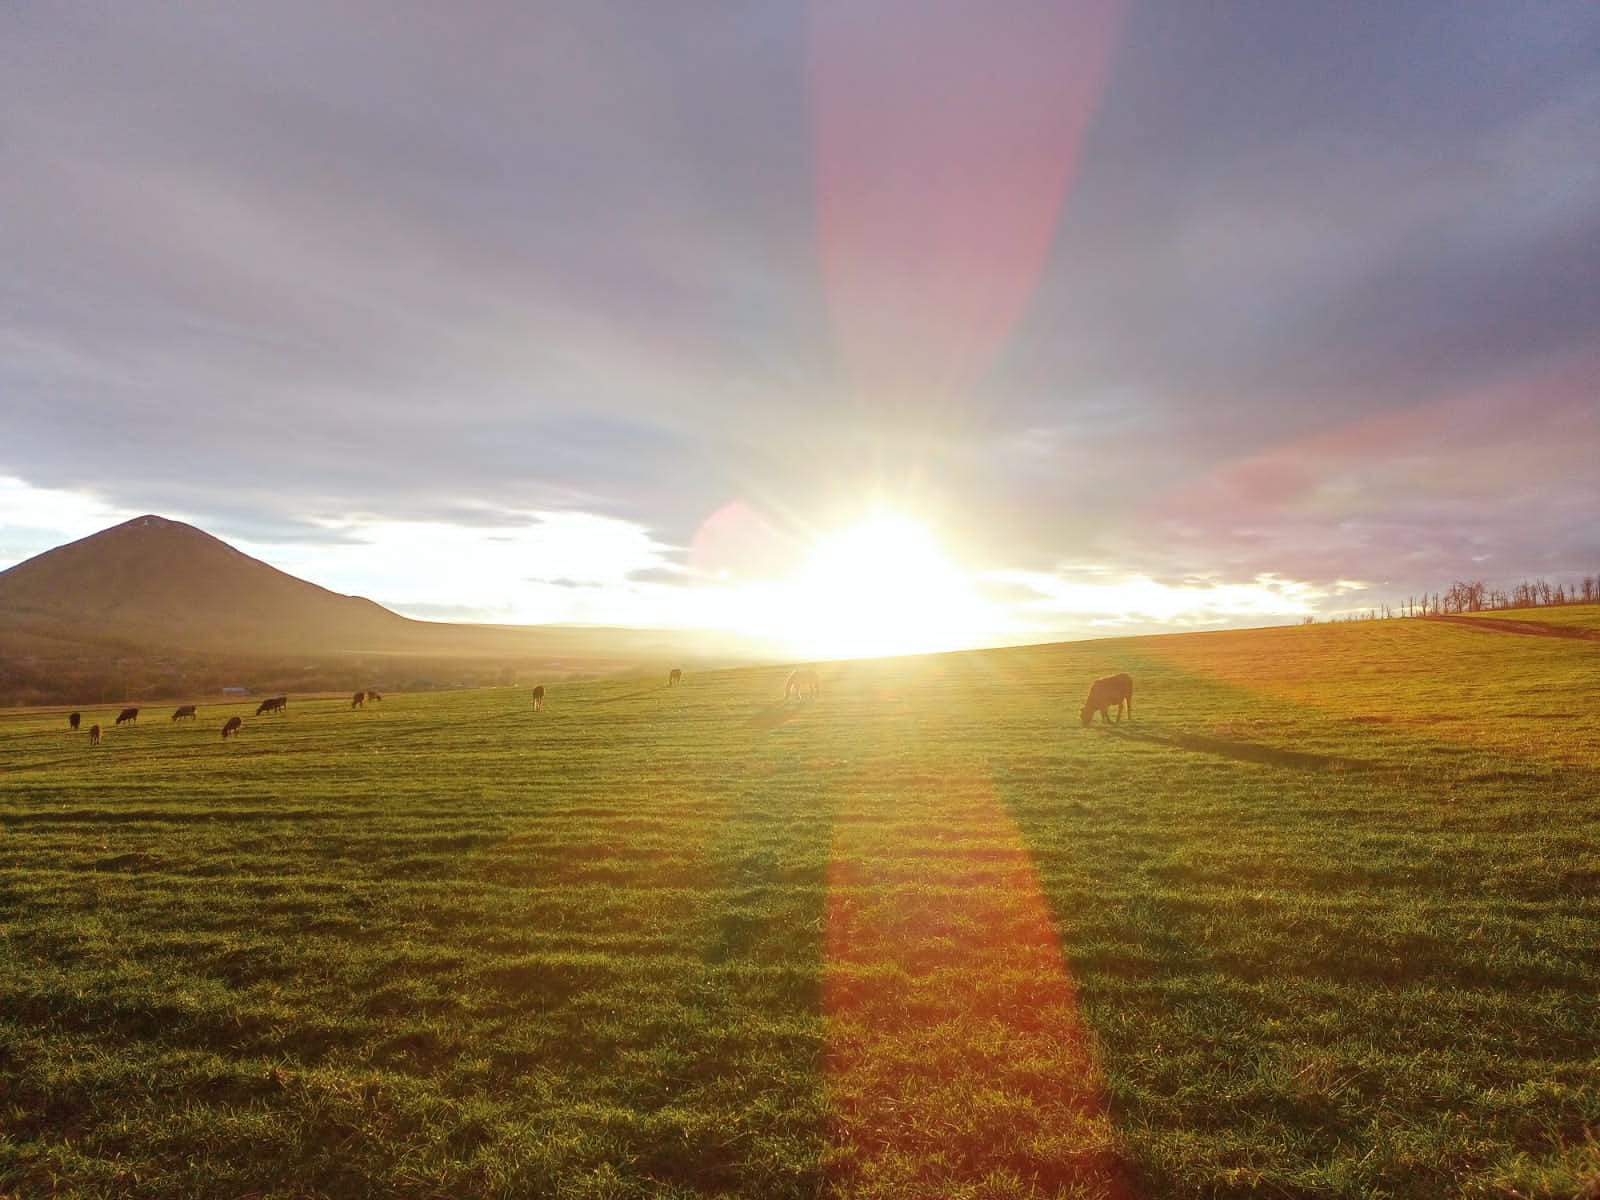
188,712
1111,692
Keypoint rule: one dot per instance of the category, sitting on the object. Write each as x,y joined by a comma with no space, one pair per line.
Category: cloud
1412,488
1306,294
667,575
33,520
1095,599
524,568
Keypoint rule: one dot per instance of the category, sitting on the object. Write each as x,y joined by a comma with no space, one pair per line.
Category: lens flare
945,139
881,586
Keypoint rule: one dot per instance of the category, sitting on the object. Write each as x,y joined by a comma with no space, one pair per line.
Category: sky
892,324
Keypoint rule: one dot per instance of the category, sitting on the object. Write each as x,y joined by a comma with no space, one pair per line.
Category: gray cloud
268,266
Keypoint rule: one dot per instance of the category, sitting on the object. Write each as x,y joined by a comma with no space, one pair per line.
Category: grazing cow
273,704
94,735
128,714
1112,691
674,676
538,698
802,682
232,725
74,719
374,695
358,700
185,710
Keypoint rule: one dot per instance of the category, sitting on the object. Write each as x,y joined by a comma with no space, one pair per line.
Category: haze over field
884,325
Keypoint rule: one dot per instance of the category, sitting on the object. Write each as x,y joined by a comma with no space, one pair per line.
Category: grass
1321,921
1568,616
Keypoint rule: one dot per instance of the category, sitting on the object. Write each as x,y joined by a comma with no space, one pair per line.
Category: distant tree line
1464,597
1477,596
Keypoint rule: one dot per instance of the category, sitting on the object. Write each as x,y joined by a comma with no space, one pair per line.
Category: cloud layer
1196,294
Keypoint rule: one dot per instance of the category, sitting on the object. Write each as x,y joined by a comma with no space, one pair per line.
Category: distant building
235,691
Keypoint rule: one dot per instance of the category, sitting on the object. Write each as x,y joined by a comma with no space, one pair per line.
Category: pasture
1321,920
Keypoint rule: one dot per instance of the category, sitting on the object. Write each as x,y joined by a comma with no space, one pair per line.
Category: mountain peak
160,582
155,524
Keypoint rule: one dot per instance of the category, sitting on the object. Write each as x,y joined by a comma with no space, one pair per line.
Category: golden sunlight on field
955,1050
881,586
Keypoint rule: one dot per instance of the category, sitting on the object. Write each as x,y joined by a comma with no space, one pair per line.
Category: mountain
156,607
152,582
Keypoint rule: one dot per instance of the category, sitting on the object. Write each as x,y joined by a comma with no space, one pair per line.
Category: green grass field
1575,616
1322,920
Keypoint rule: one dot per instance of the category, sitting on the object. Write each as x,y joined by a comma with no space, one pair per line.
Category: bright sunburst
881,586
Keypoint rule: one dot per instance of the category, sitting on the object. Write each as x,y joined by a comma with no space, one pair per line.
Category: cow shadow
603,701
1272,756
773,715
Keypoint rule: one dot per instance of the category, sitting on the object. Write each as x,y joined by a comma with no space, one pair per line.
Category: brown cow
802,682
232,725
674,676
538,698
1113,690
358,700
185,710
371,695
74,719
94,735
128,714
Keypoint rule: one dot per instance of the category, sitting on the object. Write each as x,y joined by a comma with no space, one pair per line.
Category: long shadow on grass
167,816
773,715
129,1018
1531,628
53,764
1274,756
605,701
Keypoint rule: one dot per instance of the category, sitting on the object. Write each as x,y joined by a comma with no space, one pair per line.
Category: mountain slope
160,583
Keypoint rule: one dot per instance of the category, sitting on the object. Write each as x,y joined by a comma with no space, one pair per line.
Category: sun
881,586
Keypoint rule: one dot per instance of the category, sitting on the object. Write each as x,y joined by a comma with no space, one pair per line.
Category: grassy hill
1319,921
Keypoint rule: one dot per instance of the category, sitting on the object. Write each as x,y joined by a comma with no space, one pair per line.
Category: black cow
74,719
128,714
1114,691
94,735
232,725
185,710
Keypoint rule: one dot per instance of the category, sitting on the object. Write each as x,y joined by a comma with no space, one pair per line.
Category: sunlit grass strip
957,1063
1430,687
